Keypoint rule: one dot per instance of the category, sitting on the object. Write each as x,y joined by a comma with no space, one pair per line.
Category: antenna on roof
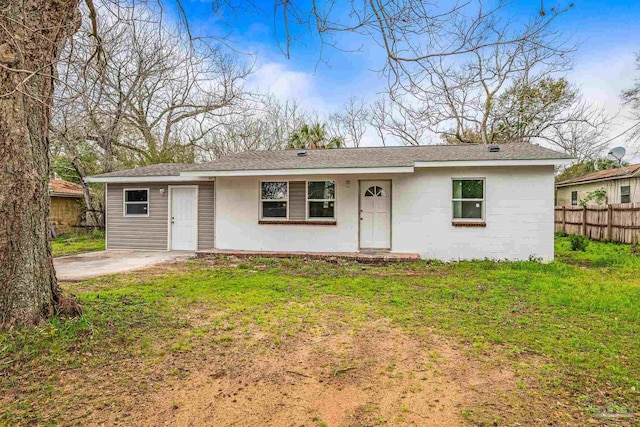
617,154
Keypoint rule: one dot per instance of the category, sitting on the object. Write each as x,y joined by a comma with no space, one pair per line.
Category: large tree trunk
32,34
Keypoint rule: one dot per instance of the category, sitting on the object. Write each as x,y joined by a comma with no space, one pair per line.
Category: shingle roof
604,174
160,169
375,157
349,158
62,188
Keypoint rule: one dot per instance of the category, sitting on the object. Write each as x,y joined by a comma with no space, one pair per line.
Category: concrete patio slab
94,264
371,257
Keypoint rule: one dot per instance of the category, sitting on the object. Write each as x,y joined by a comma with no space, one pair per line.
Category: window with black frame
625,194
274,199
321,199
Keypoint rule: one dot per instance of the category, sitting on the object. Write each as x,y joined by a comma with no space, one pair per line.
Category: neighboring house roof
351,158
62,188
606,174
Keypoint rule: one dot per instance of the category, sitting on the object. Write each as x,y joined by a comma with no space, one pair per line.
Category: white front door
375,214
183,218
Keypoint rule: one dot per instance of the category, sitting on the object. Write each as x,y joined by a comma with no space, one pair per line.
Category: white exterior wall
238,212
519,214
518,211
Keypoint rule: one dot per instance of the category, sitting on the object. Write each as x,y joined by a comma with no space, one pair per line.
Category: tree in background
631,98
152,96
586,167
391,120
155,94
314,136
350,123
268,124
498,67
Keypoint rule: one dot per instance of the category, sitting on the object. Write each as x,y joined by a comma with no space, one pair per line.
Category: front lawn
231,342
78,243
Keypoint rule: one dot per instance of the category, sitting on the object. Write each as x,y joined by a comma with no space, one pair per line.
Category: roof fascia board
478,163
315,171
132,179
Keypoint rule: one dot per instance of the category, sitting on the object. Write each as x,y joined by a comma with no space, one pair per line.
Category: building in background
67,206
621,185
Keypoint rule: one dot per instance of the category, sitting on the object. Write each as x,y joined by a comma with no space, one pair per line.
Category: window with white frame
136,202
321,199
574,198
468,199
274,198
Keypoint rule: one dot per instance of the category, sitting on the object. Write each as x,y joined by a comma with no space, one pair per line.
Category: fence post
564,220
584,220
609,222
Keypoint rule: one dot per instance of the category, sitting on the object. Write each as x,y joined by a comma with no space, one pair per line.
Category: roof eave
491,163
299,171
134,179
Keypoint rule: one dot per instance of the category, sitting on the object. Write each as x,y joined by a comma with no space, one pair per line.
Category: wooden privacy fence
613,223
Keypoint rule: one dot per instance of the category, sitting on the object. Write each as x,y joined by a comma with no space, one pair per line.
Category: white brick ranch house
448,202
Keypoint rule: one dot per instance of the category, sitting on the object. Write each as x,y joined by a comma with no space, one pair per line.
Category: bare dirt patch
372,376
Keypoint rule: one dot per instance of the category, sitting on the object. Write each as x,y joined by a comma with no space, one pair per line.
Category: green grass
578,318
78,243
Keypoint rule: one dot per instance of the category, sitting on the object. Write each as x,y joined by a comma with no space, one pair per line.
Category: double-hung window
136,202
625,194
468,199
274,198
574,198
321,199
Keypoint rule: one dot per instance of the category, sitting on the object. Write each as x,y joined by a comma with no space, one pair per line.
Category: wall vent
494,148
301,153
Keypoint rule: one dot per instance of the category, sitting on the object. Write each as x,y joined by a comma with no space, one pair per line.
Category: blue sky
608,30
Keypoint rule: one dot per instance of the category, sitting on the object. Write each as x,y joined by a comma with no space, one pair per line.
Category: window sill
295,222
468,223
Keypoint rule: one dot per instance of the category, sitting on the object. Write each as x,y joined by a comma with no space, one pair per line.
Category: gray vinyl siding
137,232
151,233
206,216
297,200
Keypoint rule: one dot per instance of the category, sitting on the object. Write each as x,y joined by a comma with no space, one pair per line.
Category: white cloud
602,76
284,83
